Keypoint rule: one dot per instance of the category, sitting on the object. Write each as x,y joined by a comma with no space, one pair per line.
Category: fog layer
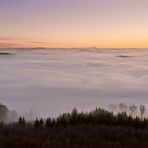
45,82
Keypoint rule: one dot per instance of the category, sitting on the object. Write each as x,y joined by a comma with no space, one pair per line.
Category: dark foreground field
96,129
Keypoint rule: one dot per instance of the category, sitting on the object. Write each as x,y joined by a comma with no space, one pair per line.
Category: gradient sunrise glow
74,23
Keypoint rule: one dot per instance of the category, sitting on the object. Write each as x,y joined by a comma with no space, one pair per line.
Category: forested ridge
97,128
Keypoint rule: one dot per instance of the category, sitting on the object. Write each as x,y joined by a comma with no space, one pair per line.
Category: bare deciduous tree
122,107
142,110
133,109
112,107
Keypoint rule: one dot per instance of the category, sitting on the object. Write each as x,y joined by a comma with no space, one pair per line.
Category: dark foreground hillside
96,129
78,136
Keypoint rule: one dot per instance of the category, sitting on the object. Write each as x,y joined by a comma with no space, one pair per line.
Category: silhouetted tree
36,123
48,122
41,123
21,121
73,116
53,123
142,111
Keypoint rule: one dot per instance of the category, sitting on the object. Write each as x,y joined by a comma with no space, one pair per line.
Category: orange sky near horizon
74,24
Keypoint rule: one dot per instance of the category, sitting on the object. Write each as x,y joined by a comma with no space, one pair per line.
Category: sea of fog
47,82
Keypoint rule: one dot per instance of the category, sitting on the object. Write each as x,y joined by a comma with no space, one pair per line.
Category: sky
74,23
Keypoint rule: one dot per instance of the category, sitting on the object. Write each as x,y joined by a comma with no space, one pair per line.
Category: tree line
98,116
98,128
120,114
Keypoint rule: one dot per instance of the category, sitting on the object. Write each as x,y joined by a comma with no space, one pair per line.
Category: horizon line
73,47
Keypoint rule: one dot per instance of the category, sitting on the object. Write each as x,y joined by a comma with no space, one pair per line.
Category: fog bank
46,82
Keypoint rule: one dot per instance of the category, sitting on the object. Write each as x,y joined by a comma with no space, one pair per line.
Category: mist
47,82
